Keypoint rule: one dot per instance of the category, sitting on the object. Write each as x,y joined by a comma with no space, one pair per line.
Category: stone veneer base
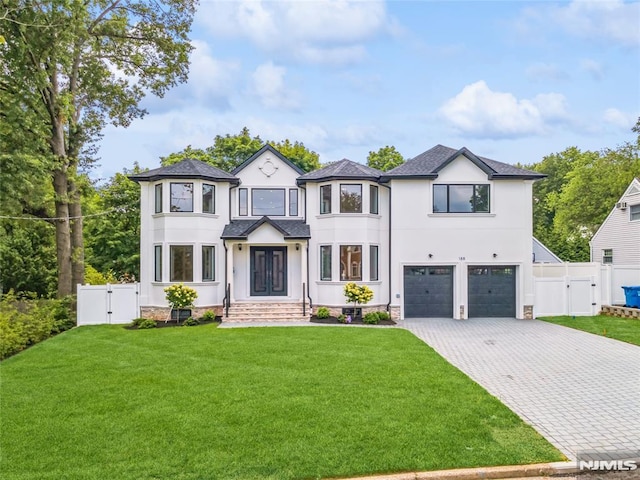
163,313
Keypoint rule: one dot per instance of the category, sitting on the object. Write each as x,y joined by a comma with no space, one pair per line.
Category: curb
482,473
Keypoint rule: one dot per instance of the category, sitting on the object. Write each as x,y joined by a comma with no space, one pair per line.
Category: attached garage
492,291
428,291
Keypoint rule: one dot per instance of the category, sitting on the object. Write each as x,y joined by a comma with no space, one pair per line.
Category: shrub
25,321
384,315
147,323
357,293
191,322
342,318
137,321
371,318
180,296
323,312
208,316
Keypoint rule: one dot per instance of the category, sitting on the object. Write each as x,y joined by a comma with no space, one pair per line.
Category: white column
229,260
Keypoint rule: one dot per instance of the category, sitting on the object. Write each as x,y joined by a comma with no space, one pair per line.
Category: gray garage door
492,291
428,292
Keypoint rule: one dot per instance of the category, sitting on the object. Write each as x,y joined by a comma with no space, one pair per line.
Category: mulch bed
334,321
174,323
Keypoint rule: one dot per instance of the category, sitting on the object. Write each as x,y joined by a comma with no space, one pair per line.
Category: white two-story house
447,234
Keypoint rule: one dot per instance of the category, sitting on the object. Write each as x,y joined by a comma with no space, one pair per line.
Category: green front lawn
625,329
278,403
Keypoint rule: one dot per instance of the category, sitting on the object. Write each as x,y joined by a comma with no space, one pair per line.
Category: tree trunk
63,233
77,241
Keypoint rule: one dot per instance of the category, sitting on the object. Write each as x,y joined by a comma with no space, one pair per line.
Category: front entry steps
266,312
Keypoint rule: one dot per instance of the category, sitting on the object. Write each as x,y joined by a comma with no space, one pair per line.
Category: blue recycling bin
632,296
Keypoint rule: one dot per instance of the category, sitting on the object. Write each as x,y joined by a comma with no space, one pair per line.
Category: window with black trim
157,263
350,198
461,198
243,202
208,198
373,199
607,255
267,201
208,263
158,197
373,262
325,263
293,202
181,260
350,262
182,197
634,212
325,199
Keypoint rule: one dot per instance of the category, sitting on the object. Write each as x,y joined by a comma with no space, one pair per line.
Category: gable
265,234
461,169
267,169
632,194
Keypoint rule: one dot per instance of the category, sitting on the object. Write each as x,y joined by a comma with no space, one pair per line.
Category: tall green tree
229,151
385,159
68,68
113,235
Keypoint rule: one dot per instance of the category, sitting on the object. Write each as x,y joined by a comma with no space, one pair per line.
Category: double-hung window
607,255
461,198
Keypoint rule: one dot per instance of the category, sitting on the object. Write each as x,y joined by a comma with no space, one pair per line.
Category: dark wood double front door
268,271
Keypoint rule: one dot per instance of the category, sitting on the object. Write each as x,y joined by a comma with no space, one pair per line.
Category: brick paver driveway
581,391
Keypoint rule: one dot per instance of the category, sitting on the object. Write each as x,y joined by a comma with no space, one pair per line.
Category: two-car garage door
428,291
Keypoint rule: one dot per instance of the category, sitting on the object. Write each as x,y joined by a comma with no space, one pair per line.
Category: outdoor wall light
495,255
240,246
431,255
297,246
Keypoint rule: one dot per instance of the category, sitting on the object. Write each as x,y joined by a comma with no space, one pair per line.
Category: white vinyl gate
111,303
580,289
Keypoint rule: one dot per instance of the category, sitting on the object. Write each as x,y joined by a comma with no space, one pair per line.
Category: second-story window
373,199
267,202
350,198
158,197
243,202
325,199
293,202
461,199
208,198
182,197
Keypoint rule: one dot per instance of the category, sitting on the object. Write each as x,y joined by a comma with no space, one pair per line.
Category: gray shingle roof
290,229
188,168
429,163
345,169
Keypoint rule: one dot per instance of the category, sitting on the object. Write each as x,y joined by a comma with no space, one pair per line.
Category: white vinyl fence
580,289
111,303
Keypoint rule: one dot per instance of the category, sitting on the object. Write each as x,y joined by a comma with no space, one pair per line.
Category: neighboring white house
617,241
541,254
447,233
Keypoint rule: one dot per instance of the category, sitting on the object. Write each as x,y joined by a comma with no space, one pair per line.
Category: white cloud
267,82
593,68
611,20
209,77
619,119
479,111
322,31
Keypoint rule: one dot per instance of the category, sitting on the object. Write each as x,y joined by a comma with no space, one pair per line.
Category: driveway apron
580,391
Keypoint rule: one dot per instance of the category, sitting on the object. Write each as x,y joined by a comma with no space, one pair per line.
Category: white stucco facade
278,235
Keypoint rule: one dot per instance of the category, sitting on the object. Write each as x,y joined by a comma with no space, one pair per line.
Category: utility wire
49,219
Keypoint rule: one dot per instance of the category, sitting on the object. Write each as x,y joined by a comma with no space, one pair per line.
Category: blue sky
509,80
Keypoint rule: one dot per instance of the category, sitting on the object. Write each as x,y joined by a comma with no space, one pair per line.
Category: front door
268,271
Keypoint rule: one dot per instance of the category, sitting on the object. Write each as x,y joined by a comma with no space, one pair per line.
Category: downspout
308,274
389,267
